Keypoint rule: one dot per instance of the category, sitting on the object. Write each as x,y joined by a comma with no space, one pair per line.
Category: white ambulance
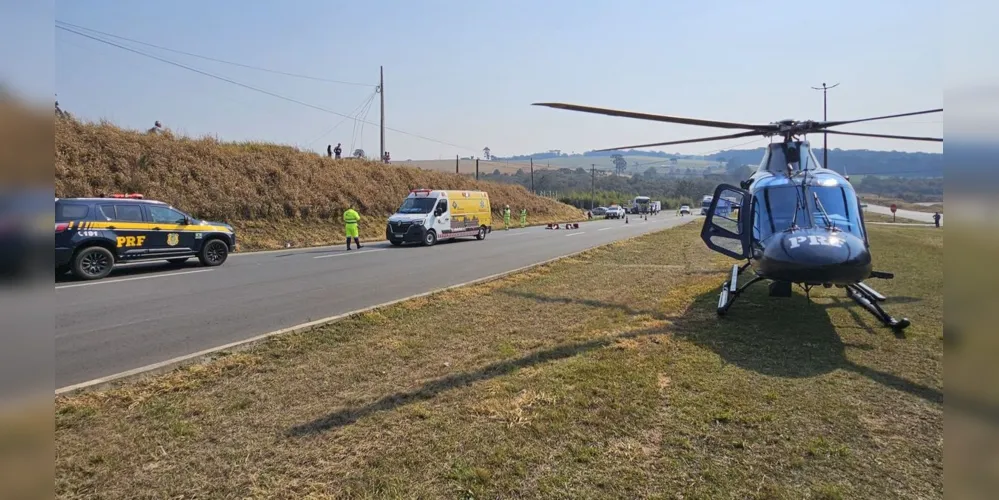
430,215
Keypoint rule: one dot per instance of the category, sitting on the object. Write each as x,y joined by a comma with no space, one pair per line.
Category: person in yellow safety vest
506,217
350,220
523,217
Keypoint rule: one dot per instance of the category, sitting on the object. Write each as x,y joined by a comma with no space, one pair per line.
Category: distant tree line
902,188
854,161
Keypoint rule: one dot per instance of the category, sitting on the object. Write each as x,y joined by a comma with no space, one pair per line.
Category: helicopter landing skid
731,289
868,298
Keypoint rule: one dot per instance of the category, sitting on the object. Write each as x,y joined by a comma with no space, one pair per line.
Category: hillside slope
272,194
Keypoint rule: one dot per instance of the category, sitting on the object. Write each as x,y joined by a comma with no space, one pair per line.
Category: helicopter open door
727,224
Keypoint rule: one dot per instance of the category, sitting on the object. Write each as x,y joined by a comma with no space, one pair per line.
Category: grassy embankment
272,194
607,375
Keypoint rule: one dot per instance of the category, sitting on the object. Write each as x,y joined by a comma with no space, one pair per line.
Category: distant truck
705,204
656,206
428,216
640,205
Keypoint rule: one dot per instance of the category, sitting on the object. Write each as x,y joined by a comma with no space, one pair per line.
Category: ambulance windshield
417,205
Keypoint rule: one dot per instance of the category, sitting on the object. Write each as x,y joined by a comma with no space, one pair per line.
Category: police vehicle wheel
93,263
482,234
213,253
430,239
179,260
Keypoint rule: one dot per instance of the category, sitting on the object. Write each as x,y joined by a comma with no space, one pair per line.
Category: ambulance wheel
213,253
430,239
93,263
482,234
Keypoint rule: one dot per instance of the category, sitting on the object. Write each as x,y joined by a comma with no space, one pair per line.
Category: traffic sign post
893,209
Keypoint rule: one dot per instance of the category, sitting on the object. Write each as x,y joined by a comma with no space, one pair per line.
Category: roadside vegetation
605,375
272,194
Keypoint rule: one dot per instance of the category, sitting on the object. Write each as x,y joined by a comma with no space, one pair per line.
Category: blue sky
465,73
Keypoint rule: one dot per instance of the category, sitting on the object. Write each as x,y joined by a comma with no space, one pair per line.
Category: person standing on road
506,218
936,218
350,220
523,217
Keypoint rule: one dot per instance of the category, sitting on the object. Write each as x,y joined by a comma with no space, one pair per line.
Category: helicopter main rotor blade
686,141
844,122
657,118
883,136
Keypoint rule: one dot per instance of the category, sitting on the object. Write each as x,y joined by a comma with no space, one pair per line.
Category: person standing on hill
329,151
350,220
337,150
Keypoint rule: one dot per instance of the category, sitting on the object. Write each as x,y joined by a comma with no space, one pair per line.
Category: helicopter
793,221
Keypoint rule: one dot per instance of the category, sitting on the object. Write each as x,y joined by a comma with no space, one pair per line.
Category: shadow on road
137,269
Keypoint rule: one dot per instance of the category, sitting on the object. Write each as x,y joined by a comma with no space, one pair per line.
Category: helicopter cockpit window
777,210
838,205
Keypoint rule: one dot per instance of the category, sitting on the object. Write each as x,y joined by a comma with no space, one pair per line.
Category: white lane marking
102,282
350,253
604,228
576,234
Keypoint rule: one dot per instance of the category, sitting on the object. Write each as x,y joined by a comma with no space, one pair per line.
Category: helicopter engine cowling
816,256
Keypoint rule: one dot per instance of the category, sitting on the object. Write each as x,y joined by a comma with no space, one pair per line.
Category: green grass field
606,375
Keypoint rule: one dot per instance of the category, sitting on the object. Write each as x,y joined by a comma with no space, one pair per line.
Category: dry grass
879,217
272,194
592,377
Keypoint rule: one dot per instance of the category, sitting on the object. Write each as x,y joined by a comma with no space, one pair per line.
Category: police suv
94,234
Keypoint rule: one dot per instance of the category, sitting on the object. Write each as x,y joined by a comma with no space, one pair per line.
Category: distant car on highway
684,209
597,212
92,235
615,212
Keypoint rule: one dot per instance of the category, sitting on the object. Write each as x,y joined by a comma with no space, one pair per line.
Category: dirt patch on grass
599,376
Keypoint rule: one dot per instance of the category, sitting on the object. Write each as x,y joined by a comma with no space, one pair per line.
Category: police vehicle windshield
772,211
417,205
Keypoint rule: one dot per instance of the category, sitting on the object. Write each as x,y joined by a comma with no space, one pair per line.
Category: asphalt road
905,214
148,313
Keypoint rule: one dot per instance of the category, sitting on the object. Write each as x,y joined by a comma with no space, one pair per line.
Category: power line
258,68
352,113
255,89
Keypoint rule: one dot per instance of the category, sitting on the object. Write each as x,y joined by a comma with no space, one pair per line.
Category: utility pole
593,181
532,177
476,169
457,160
825,117
381,93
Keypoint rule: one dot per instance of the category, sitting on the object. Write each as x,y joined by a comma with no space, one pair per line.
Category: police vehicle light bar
135,196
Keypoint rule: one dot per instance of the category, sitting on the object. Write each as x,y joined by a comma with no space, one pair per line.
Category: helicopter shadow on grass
763,343
791,339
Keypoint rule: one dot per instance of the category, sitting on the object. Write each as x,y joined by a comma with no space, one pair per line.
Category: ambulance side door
442,216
